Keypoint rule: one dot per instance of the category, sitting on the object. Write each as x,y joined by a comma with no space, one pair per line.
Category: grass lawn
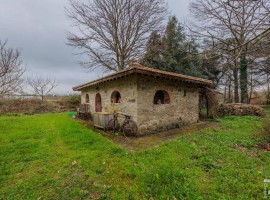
52,156
267,108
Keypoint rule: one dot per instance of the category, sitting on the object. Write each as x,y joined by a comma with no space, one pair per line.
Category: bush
72,101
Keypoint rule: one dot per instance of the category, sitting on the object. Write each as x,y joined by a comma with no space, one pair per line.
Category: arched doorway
98,104
161,97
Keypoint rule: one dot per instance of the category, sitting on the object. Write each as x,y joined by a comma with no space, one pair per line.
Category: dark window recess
116,97
185,93
87,98
161,97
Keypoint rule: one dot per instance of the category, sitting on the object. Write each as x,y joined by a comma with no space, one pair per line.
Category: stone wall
137,99
127,87
182,109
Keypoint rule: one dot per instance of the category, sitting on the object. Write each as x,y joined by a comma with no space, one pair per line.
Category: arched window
87,98
161,97
98,103
116,97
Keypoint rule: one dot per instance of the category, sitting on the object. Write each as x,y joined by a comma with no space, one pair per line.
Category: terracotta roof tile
139,69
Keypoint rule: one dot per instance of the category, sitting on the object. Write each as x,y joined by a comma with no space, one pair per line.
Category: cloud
39,28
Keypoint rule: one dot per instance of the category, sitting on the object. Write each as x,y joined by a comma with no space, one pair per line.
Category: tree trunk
229,89
268,91
225,94
122,63
236,85
251,90
225,91
243,79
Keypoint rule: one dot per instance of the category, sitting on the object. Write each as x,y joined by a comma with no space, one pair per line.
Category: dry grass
36,106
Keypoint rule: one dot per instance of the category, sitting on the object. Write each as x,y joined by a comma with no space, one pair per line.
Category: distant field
30,106
52,156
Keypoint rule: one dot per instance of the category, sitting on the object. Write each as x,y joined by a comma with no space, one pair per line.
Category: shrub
72,101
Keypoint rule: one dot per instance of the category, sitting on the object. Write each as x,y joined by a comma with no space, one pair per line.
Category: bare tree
230,26
264,67
11,69
42,86
112,33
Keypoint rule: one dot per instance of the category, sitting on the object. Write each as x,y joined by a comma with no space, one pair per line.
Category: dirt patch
153,140
265,147
244,149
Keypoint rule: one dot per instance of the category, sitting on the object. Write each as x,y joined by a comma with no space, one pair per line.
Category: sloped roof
139,69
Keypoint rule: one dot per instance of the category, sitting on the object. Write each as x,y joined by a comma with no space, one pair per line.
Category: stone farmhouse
155,99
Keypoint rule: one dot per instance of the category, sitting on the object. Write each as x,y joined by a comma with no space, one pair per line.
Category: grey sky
39,28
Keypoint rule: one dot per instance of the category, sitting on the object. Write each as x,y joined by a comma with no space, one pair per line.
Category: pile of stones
239,110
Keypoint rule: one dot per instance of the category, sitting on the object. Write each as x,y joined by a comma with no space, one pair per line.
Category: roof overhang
138,69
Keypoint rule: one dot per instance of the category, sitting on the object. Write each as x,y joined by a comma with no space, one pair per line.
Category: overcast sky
39,28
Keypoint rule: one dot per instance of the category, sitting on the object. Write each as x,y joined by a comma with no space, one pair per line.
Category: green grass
36,155
266,108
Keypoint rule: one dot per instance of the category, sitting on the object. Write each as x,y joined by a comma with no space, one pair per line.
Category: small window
161,97
116,97
87,98
185,93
